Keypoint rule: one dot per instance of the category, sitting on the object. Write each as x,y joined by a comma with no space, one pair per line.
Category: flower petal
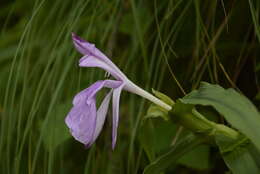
91,61
91,91
89,49
84,95
81,121
101,115
116,99
84,121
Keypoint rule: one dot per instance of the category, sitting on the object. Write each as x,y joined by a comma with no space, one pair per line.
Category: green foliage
147,138
156,111
186,144
234,107
56,132
156,135
163,97
240,156
197,158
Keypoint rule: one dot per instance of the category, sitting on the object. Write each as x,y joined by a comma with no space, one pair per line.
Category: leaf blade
236,108
167,159
240,155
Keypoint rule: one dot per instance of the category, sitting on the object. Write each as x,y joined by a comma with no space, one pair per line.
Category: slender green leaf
56,131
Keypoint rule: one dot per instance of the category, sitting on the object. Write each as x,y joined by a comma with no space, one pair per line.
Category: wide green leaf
147,138
235,108
190,159
186,144
240,155
155,136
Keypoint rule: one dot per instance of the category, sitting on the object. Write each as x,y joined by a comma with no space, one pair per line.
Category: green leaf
155,111
155,136
191,158
169,158
56,131
147,138
240,155
163,97
236,108
257,97
164,133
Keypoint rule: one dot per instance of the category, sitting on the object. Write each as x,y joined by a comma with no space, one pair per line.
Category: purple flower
84,120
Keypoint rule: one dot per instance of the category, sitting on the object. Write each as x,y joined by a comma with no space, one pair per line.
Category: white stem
139,91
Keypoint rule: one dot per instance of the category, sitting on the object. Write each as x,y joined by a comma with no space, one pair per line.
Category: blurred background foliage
168,45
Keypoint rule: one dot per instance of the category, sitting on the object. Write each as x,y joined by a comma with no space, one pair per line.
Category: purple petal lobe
116,98
91,91
83,96
84,121
101,115
81,121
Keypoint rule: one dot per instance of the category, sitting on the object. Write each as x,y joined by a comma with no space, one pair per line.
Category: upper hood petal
89,49
91,61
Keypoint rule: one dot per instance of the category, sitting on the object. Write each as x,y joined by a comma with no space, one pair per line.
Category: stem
192,120
197,123
139,91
